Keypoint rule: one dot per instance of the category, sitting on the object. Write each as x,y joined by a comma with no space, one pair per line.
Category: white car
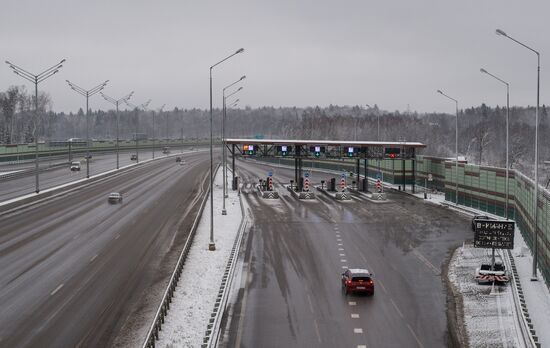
75,166
115,197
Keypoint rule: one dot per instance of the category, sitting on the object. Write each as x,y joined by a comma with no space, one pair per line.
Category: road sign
306,184
430,177
343,175
378,176
306,174
343,183
270,173
496,234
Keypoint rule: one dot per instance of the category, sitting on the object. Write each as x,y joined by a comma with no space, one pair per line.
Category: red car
357,280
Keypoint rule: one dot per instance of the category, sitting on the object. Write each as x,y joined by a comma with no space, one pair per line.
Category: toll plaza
323,150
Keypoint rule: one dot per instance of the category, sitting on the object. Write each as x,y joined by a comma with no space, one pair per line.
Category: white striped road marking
117,236
310,304
93,258
357,330
415,337
354,316
362,346
343,260
426,262
340,244
397,309
338,239
382,285
340,249
345,267
342,254
317,330
352,303
56,289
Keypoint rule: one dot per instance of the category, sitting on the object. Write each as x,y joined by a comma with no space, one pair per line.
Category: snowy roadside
489,313
202,274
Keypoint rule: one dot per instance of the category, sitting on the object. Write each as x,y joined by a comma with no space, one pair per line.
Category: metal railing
162,311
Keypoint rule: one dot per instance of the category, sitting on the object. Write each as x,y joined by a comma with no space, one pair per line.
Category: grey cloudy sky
298,53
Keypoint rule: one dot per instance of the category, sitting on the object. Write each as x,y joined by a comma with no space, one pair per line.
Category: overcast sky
297,53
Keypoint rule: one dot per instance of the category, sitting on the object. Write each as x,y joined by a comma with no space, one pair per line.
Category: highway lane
296,251
58,175
76,271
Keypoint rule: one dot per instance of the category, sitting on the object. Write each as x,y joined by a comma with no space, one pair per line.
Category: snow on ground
489,313
198,287
537,295
10,172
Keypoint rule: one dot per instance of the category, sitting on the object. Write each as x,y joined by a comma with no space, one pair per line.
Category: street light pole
224,164
36,79
87,94
160,111
534,276
456,143
116,102
507,134
212,244
136,108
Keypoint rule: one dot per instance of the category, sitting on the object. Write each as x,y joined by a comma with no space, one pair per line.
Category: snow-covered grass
198,287
489,313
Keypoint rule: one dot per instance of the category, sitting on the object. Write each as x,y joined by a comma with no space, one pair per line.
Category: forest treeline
481,139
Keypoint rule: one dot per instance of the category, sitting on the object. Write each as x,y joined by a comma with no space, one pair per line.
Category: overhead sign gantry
321,149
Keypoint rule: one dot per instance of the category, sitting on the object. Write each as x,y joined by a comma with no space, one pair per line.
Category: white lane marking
340,244
93,258
352,303
340,249
426,262
342,254
317,330
415,337
343,260
117,236
338,239
354,316
358,330
397,309
362,346
56,289
382,285
310,304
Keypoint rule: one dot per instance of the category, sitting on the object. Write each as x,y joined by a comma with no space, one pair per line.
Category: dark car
133,157
356,280
115,197
479,217
178,159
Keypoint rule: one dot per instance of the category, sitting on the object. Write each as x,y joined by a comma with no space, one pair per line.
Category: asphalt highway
296,251
61,174
77,271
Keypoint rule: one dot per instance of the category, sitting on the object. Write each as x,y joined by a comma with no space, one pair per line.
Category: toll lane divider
212,334
162,311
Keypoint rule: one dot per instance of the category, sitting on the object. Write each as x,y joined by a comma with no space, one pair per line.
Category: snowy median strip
198,291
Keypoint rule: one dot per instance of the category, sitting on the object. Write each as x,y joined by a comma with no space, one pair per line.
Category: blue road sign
343,175
270,173
306,174
378,176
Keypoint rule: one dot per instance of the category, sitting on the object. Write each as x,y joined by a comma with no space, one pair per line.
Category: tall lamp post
456,143
136,108
224,211
116,102
211,244
36,79
87,94
534,276
507,134
160,111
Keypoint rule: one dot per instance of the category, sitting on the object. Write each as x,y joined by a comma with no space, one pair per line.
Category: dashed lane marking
362,346
352,303
354,316
310,304
426,262
345,267
397,309
340,249
317,330
340,244
382,285
342,254
117,236
93,258
338,239
56,289
343,260
415,337
358,330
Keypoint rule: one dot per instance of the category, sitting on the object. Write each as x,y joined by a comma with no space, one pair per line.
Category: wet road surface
296,251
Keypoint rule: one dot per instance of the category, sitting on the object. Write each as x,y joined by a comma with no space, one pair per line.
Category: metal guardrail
527,330
212,333
162,311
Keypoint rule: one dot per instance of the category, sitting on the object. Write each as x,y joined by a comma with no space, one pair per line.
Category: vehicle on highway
115,197
166,150
485,275
357,280
88,156
133,157
478,217
75,166
178,159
